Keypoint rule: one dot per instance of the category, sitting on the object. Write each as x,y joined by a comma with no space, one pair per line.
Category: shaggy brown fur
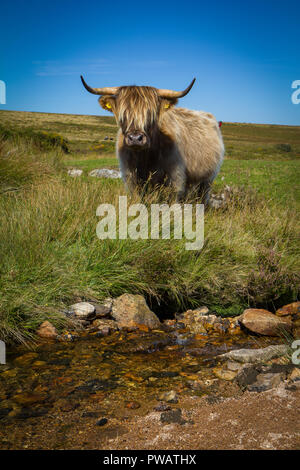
184,148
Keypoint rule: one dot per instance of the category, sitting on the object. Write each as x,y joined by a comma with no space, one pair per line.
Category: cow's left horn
175,94
100,91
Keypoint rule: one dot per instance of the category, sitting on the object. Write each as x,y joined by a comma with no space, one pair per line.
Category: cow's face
138,111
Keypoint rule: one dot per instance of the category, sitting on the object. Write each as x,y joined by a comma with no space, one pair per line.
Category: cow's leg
178,181
129,177
204,192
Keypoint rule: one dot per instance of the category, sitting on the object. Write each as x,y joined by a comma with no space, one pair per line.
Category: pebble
172,416
101,422
82,310
224,374
133,405
265,382
75,172
47,330
162,407
169,397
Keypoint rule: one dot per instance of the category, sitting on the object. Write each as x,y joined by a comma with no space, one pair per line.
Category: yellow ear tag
167,106
108,106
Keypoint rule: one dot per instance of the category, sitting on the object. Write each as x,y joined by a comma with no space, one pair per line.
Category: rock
170,323
105,327
203,310
102,422
198,386
294,380
172,416
290,309
38,364
28,398
4,412
265,382
130,311
162,407
144,343
293,386
224,374
133,405
90,414
263,322
216,203
26,413
198,322
296,332
256,355
247,375
295,374
183,339
47,330
66,405
82,310
95,385
75,172
169,397
105,173
233,365
234,327
67,337
26,359
102,310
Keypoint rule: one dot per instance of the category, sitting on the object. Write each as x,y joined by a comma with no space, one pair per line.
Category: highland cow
160,143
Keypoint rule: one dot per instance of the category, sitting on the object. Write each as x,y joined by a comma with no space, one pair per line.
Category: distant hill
243,141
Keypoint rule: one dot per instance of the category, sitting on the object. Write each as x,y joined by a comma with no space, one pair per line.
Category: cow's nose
136,138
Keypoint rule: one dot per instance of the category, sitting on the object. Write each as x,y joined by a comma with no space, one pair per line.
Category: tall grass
22,165
50,254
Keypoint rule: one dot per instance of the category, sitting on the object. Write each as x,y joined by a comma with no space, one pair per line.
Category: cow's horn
175,94
100,91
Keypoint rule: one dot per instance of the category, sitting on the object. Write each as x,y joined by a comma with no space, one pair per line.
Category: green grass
88,165
276,180
50,255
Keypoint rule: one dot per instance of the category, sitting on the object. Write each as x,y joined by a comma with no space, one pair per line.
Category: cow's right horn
175,94
100,91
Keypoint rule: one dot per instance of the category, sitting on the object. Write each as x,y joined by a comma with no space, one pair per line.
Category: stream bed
78,394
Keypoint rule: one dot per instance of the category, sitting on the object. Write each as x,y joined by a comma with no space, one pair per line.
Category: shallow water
95,377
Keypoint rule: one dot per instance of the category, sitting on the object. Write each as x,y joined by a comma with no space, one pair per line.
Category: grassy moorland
50,254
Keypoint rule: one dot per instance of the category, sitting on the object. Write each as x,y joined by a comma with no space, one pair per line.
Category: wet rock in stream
27,413
169,397
144,343
102,422
256,355
4,412
95,385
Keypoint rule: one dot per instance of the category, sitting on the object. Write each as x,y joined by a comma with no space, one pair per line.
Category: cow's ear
107,103
168,103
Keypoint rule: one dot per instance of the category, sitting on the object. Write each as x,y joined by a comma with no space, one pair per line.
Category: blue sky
244,54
